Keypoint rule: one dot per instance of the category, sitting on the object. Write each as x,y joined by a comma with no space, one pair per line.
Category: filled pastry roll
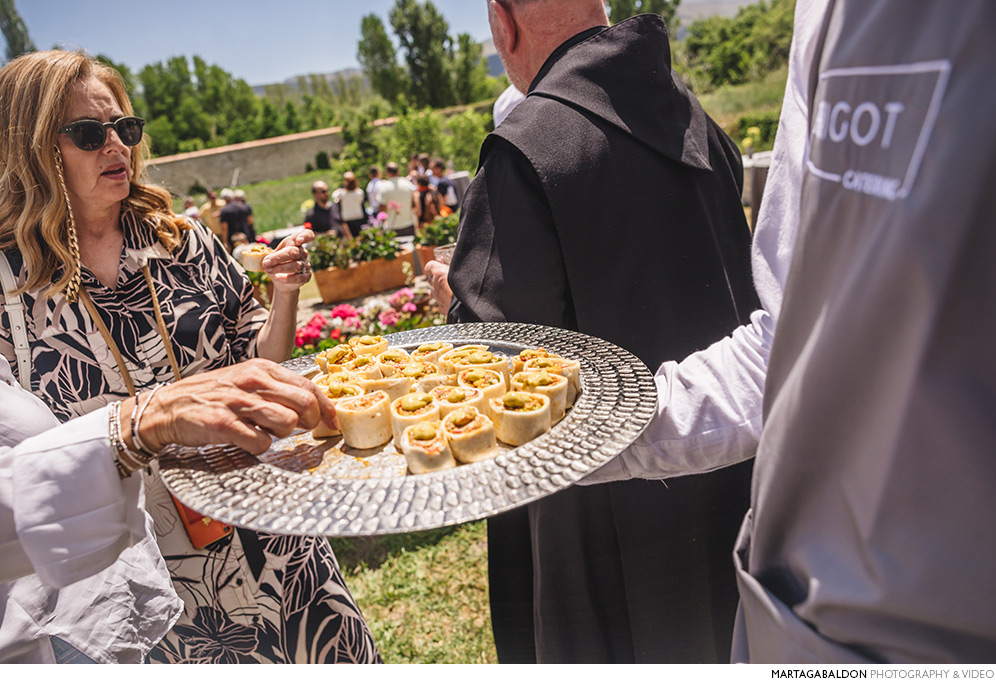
410,409
519,360
425,376
426,449
431,351
549,384
569,369
331,360
393,360
363,367
335,393
471,435
520,416
490,382
336,378
371,345
452,398
396,386
484,360
252,258
448,361
365,421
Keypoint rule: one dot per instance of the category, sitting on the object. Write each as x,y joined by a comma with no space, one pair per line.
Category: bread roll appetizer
416,407
331,360
431,351
252,258
490,382
520,416
426,449
484,359
569,369
425,376
471,435
452,398
365,421
549,384
519,360
447,362
396,386
335,393
393,360
363,367
371,345
336,378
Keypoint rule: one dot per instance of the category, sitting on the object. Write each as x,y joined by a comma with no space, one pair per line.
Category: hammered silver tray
368,493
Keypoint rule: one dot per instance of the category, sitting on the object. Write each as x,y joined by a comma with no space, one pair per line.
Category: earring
73,288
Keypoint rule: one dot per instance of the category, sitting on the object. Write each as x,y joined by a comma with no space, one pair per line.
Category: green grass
729,103
424,595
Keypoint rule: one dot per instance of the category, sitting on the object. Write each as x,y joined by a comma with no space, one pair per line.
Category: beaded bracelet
136,419
126,460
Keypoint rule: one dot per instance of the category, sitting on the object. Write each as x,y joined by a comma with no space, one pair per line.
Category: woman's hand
436,273
288,265
246,405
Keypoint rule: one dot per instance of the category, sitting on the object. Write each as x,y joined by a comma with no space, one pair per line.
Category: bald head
526,32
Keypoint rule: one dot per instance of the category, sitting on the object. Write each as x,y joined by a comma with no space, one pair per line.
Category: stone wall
244,163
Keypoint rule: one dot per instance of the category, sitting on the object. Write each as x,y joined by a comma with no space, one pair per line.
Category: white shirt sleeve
64,513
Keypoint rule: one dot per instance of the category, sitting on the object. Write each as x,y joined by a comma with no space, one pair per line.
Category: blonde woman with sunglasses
121,295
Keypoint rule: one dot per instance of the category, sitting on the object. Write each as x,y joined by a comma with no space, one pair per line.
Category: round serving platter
308,487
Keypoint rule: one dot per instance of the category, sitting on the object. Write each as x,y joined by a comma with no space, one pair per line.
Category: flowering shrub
405,309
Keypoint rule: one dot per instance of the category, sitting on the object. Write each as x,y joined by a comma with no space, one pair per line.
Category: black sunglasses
90,135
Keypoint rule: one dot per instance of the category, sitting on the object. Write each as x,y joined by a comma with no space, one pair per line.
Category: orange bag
201,529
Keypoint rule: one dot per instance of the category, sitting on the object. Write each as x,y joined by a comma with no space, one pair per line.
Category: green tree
129,78
14,30
423,35
470,71
378,58
623,9
416,131
270,123
462,146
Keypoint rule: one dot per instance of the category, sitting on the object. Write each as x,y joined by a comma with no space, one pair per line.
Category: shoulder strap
18,327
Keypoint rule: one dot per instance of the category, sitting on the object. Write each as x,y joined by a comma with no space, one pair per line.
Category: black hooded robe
609,203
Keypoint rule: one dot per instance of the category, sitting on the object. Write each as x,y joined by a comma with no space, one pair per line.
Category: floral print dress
250,597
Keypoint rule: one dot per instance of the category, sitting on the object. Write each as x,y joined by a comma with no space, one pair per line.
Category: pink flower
343,311
318,319
401,296
351,323
409,307
262,239
389,318
382,216
335,334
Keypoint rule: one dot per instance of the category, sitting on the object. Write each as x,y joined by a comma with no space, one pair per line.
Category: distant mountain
331,79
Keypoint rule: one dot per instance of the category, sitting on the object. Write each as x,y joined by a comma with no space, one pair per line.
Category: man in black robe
608,202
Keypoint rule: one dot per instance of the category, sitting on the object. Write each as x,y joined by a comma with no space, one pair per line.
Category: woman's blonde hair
35,217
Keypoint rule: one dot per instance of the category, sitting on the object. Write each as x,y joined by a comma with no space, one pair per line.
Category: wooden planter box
362,279
424,255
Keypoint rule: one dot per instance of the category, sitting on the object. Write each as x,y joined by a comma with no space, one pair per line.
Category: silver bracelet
136,420
125,460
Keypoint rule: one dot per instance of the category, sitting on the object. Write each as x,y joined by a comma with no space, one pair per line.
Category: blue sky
261,41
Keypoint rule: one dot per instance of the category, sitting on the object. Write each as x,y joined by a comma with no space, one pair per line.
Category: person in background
236,216
211,216
427,202
634,571
444,185
396,196
323,216
122,295
73,532
350,200
371,190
